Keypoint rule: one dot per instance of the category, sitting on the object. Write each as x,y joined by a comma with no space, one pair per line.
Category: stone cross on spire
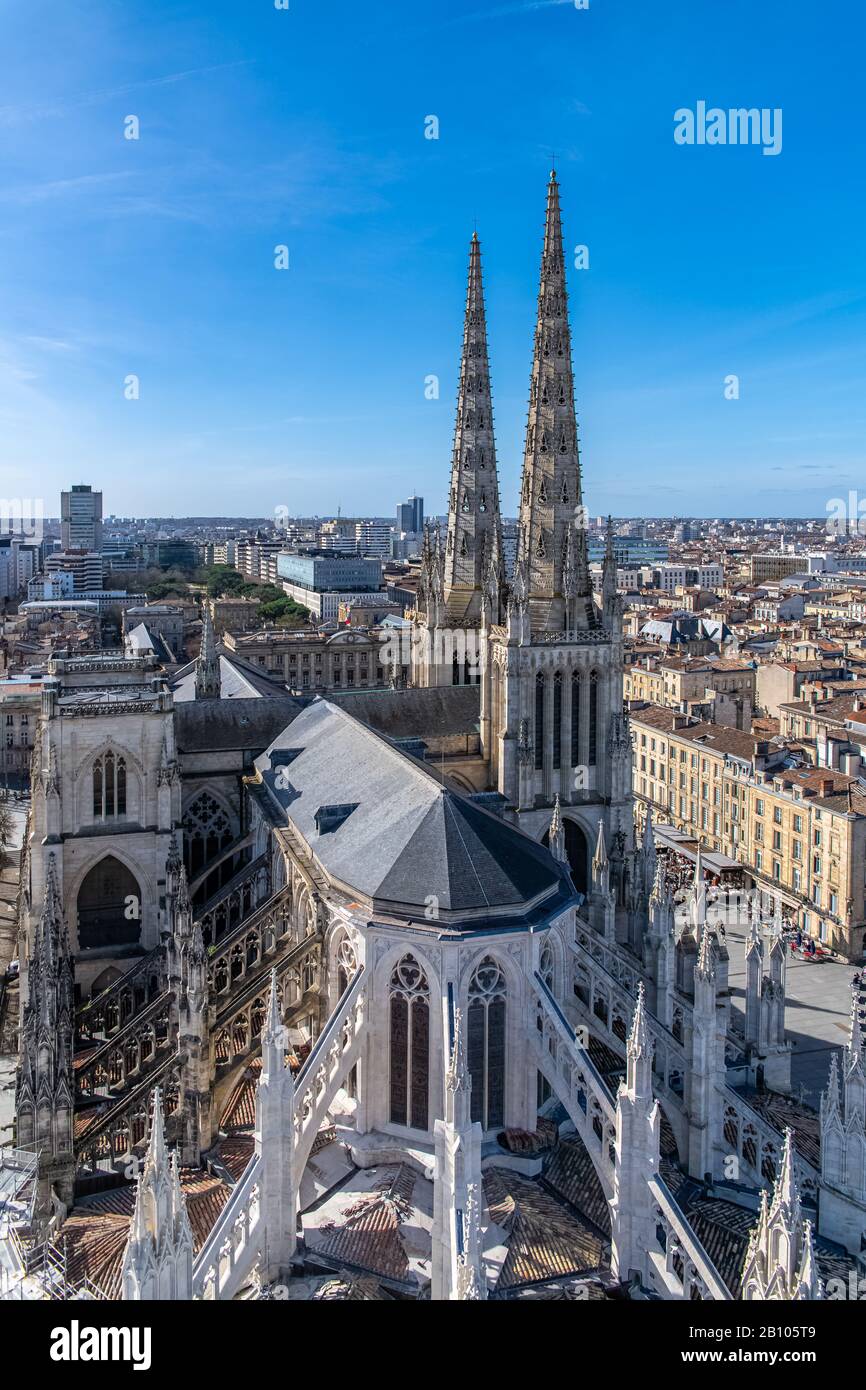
552,524
473,508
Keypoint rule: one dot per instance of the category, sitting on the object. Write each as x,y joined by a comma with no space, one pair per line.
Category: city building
85,566
321,580
410,516
81,519
798,833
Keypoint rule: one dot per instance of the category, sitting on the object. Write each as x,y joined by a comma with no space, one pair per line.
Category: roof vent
281,757
330,818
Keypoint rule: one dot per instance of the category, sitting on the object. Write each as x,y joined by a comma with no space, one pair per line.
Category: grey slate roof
238,681
408,837
203,726
416,713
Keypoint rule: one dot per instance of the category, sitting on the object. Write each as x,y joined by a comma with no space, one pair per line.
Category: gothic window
541,549
593,718
575,720
542,491
109,786
410,1044
481,461
542,448
482,505
539,720
486,1043
347,964
557,719
207,832
546,965
465,505
563,496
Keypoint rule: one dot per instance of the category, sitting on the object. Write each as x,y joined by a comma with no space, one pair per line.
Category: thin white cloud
17,115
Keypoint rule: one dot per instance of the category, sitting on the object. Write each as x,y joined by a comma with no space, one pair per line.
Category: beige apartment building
678,680
315,662
799,834
233,614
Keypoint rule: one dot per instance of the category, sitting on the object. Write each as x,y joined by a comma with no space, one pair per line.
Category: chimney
825,786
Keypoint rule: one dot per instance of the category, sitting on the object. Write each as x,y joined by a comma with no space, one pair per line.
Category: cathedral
385,995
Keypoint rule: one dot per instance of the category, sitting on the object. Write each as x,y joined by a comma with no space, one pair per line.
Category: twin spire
552,569
474,538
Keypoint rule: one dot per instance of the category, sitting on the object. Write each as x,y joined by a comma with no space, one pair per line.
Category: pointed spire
207,666
706,965
855,1039
551,503
600,857
608,572
473,508
808,1283
556,834
639,1050
786,1193
157,1154
831,1099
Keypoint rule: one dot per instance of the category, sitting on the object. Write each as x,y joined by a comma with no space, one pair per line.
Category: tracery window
557,719
575,720
545,965
109,786
539,720
207,832
410,1044
347,964
486,1043
593,719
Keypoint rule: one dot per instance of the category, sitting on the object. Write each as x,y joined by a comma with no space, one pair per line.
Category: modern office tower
81,518
410,515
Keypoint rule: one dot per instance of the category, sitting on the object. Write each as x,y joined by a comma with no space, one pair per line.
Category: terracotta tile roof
352,1288
368,1236
98,1227
723,1229
572,1176
235,1152
545,1241
783,1111
240,1108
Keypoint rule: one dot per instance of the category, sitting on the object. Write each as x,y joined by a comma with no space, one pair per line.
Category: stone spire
157,1261
457,1259
552,524
638,1130
556,834
275,1142
207,666
473,508
780,1260
608,573
44,1096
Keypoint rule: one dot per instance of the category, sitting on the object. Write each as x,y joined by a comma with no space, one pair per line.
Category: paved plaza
817,1013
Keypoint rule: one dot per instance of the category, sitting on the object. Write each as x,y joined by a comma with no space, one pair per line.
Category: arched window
207,832
486,1043
539,720
410,1045
593,719
347,964
109,786
575,719
545,965
557,719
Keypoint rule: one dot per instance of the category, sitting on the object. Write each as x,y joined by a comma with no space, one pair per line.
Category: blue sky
305,388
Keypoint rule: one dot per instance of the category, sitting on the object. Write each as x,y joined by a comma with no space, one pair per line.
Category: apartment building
315,662
799,833
679,680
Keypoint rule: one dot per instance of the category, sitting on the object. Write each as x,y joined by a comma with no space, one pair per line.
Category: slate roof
238,681
204,726
430,712
408,838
